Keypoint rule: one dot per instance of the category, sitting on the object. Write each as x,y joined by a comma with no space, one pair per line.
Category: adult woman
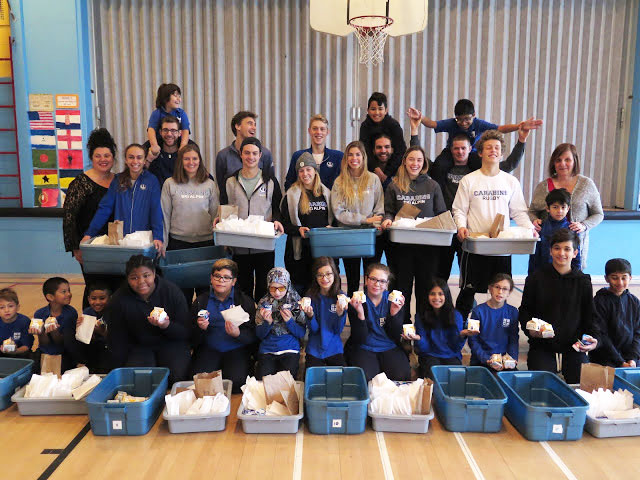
356,199
586,206
411,185
84,195
137,339
190,202
306,205
134,198
219,343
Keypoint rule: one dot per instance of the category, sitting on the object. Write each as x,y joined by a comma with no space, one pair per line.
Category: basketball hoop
371,31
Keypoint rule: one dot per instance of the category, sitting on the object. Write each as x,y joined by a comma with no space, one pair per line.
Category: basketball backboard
332,16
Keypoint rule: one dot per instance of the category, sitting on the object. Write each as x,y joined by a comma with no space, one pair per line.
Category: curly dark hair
100,137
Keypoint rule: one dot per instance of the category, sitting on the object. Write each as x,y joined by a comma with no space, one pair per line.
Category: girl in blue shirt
326,316
439,336
498,324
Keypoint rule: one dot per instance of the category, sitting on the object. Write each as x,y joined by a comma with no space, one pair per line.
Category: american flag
41,121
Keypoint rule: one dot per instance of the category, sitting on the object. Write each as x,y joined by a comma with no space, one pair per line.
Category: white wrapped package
75,377
603,403
235,315
253,395
85,331
516,233
276,408
380,385
195,407
387,398
253,224
219,404
409,222
179,403
84,389
101,240
41,385
140,239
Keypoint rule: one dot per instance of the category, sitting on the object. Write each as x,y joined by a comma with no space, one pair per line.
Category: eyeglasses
221,278
321,276
464,118
172,131
501,289
277,289
377,281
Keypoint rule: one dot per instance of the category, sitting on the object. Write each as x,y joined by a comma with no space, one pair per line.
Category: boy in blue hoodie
96,353
14,327
618,318
558,203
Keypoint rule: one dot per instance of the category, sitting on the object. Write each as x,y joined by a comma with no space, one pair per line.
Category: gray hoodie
372,203
424,193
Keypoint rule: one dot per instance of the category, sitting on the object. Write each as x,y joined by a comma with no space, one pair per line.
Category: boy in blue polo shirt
168,101
15,340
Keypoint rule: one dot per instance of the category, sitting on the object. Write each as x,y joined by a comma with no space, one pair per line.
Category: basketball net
371,31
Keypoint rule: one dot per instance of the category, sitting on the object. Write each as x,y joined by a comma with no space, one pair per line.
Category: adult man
382,156
161,164
228,161
328,160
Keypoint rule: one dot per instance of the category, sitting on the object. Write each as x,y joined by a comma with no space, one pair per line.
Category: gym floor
62,447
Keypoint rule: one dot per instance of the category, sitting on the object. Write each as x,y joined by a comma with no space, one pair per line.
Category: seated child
58,338
498,325
168,101
376,328
15,341
439,334
617,319
280,326
96,354
563,297
558,203
326,316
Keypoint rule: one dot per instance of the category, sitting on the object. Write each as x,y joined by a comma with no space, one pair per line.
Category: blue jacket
138,207
439,342
325,328
380,331
543,247
329,168
498,332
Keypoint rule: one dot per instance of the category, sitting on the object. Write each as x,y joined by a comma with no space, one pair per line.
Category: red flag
70,159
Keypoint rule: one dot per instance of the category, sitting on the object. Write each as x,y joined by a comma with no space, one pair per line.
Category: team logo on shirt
17,335
332,308
382,321
506,322
143,186
330,164
262,190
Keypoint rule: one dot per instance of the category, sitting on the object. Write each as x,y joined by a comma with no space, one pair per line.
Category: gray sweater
189,209
586,208
372,203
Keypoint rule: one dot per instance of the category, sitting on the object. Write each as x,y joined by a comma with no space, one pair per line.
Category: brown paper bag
408,211
496,226
291,400
424,397
225,210
444,221
594,376
208,384
51,364
115,232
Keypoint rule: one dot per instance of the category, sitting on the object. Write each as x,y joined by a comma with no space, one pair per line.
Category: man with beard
161,164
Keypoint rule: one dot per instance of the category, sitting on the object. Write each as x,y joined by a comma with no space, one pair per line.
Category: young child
562,297
376,328
327,316
96,354
58,338
168,102
14,328
438,339
379,121
280,326
617,319
498,324
558,203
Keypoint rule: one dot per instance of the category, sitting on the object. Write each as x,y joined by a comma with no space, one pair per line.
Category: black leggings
417,262
233,363
250,264
394,363
546,361
173,355
270,363
332,361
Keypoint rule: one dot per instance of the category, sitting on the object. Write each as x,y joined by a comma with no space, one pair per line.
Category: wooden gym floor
63,447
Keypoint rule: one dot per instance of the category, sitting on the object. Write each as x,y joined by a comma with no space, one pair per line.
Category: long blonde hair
316,191
350,188
401,178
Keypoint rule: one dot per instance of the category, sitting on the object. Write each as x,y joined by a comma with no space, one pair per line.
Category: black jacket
389,125
618,328
565,301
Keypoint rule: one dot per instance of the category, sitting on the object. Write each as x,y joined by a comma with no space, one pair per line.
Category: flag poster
45,178
44,158
68,130
46,197
67,176
42,130
70,159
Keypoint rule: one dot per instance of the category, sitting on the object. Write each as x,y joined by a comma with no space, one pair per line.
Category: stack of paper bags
388,398
444,221
275,395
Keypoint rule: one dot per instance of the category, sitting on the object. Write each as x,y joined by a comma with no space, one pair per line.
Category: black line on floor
65,453
51,451
518,289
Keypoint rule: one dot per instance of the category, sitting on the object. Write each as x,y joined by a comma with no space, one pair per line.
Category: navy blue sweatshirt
215,336
441,342
325,328
498,332
329,169
543,247
618,328
67,322
379,331
273,340
18,331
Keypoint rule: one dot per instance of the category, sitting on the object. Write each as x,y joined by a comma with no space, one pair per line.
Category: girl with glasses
219,344
280,326
326,316
376,329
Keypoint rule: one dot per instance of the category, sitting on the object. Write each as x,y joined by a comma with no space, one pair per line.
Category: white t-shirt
481,197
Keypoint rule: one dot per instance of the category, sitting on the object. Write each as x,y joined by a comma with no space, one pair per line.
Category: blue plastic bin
628,379
468,399
14,373
110,259
342,242
336,400
128,418
542,407
191,267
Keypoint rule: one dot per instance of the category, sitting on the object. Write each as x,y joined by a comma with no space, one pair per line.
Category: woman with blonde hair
357,199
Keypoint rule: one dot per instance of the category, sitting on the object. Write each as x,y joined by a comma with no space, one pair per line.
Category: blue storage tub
336,400
14,373
128,418
542,407
191,267
628,378
110,259
342,242
468,399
